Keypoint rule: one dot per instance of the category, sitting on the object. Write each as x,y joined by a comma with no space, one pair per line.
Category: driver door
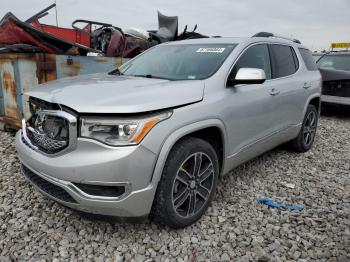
253,108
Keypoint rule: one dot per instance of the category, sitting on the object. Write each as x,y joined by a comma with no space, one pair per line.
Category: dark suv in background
335,70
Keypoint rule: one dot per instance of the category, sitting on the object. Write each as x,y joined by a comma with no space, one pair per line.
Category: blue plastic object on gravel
271,203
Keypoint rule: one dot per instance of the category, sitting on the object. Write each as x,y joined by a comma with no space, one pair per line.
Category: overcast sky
316,23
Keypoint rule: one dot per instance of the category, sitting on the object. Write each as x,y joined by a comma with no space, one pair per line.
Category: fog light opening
101,191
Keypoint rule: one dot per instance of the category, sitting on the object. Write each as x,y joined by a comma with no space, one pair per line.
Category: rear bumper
335,100
93,164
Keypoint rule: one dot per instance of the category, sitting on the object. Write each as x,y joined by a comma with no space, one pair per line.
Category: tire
305,139
173,205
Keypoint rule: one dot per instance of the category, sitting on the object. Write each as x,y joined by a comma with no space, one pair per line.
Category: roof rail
267,34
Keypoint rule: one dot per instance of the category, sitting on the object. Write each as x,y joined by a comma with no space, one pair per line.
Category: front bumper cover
92,163
335,100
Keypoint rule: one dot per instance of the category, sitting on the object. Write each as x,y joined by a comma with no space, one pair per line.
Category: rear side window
308,59
284,61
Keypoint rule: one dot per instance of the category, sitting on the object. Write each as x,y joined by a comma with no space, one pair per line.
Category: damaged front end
336,86
49,130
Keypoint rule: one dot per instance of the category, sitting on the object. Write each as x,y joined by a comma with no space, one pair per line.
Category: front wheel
187,185
304,141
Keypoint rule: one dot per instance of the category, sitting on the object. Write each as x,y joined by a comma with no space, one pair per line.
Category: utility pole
56,14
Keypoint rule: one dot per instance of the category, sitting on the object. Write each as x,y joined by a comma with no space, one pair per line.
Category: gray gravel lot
236,227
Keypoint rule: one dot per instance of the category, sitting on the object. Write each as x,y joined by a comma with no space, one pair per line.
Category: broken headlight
119,131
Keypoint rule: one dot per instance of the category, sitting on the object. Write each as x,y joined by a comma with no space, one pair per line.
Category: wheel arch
197,129
315,100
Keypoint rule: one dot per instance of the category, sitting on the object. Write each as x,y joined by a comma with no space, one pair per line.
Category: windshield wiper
147,76
151,76
116,72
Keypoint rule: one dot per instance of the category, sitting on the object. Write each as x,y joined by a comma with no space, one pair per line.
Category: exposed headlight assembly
120,131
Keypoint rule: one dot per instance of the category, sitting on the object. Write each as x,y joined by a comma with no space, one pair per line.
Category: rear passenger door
288,86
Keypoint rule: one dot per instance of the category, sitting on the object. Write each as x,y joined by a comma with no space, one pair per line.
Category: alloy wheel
193,184
309,129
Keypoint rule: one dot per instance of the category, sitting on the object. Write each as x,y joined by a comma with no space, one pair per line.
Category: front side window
337,62
284,60
179,62
256,56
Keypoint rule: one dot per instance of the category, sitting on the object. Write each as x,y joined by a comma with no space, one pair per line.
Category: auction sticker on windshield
210,50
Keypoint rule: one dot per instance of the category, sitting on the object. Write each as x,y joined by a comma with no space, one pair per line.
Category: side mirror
248,76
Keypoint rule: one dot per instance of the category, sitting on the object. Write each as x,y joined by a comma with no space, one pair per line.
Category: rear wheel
188,183
304,141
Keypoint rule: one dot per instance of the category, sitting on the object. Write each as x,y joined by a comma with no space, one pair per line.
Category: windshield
178,62
338,62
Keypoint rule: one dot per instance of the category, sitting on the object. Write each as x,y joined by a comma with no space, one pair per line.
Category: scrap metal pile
32,36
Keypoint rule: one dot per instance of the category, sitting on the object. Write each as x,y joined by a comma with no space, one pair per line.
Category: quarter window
308,60
256,56
284,60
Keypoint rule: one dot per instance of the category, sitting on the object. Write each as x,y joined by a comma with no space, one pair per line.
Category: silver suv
152,137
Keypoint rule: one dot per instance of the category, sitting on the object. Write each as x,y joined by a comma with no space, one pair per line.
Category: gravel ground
236,227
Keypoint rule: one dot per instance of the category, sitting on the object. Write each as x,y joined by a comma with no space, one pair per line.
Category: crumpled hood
103,93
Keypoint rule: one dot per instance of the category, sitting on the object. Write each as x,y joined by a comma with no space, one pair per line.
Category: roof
234,40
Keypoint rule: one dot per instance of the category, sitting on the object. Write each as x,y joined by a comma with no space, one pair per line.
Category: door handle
274,92
306,85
